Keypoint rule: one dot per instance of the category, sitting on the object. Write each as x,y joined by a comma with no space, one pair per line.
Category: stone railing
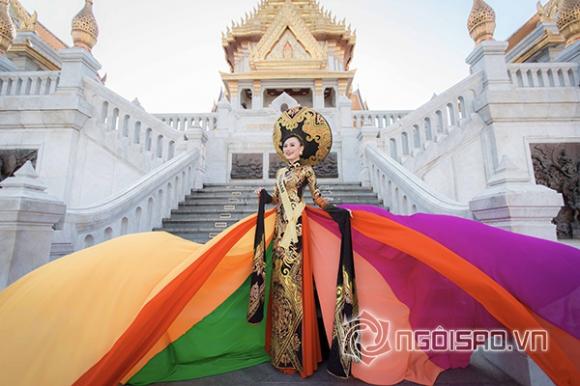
129,131
433,121
138,208
28,83
538,75
375,118
403,192
182,122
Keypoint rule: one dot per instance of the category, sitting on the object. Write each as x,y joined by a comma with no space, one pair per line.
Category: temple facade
80,165
500,146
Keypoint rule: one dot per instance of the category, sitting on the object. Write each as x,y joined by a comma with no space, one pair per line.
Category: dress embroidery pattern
286,297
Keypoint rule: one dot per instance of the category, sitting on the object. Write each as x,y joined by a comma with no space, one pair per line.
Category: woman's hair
293,136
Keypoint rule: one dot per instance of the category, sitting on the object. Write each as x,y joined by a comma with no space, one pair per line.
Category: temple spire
481,22
569,20
84,28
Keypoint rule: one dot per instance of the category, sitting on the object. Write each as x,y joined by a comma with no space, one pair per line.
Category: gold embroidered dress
286,287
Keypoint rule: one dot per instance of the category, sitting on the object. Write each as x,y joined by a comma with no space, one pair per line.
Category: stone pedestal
27,217
77,64
6,64
519,207
489,57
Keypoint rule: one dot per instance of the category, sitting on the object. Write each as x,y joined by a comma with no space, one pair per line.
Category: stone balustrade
182,122
539,75
28,83
377,118
403,192
432,122
130,131
140,207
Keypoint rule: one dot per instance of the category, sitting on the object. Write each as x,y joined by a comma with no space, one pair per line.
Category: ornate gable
288,42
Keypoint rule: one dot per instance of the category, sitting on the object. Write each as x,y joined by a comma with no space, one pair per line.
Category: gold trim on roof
7,32
25,21
320,23
287,19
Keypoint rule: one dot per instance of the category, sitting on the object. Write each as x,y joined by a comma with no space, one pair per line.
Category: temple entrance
303,96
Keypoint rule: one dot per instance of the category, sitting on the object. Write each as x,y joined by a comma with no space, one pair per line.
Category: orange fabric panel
311,351
375,298
228,276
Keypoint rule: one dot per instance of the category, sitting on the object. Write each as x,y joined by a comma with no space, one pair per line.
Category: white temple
487,148
79,164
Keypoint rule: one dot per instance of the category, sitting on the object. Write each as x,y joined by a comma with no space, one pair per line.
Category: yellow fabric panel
59,320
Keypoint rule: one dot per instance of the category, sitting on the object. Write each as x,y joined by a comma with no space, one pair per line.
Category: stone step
187,223
253,201
251,189
252,195
184,217
207,211
252,185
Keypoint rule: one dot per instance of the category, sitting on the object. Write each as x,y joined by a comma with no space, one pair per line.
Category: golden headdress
310,127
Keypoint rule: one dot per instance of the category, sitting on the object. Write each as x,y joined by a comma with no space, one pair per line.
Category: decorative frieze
557,166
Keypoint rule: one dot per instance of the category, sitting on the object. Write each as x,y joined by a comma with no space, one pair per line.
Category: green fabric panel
221,342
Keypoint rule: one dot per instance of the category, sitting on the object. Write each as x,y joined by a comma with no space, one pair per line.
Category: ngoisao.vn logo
369,337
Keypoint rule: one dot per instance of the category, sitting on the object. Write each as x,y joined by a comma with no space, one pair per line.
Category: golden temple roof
320,23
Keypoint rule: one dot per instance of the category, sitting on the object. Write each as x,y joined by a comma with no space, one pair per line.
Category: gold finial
569,20
84,27
481,22
6,28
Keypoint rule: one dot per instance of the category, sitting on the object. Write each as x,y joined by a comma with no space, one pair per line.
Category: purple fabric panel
543,275
432,299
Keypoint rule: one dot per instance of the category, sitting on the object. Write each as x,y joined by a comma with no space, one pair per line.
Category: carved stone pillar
233,88
27,217
318,102
489,57
257,101
343,87
77,63
197,139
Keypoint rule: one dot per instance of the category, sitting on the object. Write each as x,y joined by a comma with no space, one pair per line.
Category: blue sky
168,53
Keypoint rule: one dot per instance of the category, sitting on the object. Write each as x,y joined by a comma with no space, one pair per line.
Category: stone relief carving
246,166
12,159
326,169
557,166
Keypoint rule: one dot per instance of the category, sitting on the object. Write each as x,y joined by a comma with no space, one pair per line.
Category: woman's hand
350,213
259,190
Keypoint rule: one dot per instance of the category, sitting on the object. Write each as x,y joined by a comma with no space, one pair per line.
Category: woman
292,130
153,307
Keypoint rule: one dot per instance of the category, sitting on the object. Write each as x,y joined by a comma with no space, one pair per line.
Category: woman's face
292,149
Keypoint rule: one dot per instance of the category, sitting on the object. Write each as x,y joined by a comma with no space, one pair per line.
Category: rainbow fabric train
153,307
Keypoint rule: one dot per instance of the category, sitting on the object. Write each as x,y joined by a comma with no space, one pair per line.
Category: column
27,217
257,102
318,101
